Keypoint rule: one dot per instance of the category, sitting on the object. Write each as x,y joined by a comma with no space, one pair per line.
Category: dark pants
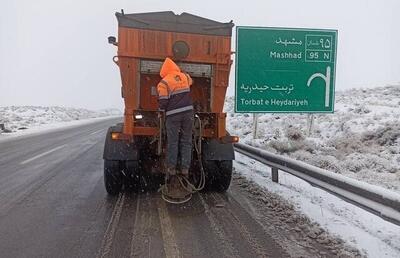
179,138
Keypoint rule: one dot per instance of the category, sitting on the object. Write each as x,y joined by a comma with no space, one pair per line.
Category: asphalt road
53,204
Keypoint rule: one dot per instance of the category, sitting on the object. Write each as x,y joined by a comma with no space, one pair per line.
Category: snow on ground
22,120
368,233
360,140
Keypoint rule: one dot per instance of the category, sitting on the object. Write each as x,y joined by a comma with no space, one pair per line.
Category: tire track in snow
111,228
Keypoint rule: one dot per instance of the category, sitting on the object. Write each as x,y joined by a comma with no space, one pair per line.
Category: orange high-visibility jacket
174,89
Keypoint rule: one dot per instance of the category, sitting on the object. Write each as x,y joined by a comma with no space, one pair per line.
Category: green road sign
285,70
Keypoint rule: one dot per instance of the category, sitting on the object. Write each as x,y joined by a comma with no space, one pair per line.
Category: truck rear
134,151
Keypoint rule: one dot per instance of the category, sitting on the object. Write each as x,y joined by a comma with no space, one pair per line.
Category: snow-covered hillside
360,140
24,117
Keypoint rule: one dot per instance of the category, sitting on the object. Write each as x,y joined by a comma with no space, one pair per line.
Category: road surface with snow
53,204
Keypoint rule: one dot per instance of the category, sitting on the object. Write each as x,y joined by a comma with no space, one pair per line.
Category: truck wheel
112,177
132,172
223,176
218,175
210,168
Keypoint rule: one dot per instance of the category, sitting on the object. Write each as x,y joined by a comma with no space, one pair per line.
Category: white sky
56,52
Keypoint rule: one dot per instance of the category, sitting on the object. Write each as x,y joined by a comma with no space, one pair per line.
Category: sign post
310,124
281,70
255,125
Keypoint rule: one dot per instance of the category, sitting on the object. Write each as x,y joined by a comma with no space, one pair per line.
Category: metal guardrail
374,199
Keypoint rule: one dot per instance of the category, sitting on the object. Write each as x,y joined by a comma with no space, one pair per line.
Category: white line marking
96,131
43,154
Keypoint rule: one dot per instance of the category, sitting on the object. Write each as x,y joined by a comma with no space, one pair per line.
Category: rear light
137,117
230,139
115,136
120,136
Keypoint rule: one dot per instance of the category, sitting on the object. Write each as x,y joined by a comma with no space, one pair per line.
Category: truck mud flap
215,150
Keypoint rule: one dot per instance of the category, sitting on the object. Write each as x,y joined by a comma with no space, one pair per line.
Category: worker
175,100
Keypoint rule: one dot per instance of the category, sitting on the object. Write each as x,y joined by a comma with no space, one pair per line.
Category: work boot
171,171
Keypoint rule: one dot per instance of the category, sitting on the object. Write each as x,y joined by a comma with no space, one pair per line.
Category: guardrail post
275,175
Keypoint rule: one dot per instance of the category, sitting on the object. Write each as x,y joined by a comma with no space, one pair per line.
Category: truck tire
132,172
218,175
223,176
112,177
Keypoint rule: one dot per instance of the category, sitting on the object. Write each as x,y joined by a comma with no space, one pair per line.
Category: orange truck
134,150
